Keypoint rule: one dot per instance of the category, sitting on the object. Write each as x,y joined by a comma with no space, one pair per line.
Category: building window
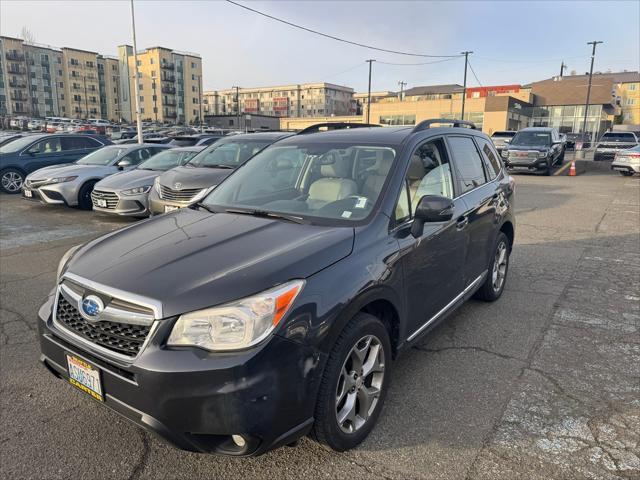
139,63
140,86
632,86
193,64
151,61
630,101
153,73
141,109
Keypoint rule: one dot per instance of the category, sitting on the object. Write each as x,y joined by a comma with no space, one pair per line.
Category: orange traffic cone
572,169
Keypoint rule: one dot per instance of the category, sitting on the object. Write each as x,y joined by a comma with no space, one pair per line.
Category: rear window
618,137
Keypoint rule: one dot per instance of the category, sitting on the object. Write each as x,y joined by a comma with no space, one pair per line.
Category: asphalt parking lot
543,384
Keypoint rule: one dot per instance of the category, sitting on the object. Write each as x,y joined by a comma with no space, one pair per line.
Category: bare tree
27,35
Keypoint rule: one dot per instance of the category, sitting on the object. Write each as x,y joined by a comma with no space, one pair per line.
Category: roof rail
425,124
334,126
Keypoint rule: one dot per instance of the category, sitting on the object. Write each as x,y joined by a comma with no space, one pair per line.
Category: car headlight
137,190
202,193
543,154
236,325
505,153
65,259
156,186
62,179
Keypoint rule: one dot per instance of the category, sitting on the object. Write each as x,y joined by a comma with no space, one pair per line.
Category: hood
193,259
131,179
70,169
194,177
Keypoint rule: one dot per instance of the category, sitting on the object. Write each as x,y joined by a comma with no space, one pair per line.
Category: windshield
104,156
335,182
231,153
538,139
502,134
16,145
166,160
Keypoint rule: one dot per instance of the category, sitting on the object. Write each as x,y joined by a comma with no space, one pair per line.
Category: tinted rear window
502,134
619,137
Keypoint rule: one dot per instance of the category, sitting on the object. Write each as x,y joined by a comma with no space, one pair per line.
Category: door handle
462,222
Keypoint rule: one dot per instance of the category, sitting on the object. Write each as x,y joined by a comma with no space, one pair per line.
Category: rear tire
84,196
493,286
547,171
354,384
626,174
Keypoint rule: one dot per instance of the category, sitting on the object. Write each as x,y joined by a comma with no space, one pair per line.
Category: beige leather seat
377,175
415,174
335,185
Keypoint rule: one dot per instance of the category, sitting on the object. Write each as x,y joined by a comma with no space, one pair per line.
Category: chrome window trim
78,340
447,306
154,305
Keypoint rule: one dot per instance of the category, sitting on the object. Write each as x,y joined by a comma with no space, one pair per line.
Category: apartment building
301,100
41,80
169,85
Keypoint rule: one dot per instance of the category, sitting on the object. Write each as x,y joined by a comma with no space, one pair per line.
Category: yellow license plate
85,377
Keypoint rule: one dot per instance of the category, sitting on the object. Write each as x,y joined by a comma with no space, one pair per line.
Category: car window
491,161
50,145
79,143
429,173
532,139
467,162
231,153
103,156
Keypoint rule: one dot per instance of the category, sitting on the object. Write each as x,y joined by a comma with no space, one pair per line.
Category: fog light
238,440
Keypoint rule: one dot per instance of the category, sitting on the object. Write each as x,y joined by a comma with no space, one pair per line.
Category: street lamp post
200,99
586,106
136,88
464,88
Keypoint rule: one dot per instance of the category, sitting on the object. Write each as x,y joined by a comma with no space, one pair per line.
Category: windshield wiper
266,214
198,205
220,166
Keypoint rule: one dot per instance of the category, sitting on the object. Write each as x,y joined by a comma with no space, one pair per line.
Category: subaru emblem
92,306
177,186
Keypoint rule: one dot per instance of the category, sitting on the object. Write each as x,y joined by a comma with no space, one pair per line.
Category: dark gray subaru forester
275,307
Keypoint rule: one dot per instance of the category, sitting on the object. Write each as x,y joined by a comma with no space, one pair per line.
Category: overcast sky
513,42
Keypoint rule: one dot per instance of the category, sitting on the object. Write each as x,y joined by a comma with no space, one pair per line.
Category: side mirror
124,163
431,208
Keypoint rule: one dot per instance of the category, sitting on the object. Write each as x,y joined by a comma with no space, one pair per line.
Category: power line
474,74
422,63
334,37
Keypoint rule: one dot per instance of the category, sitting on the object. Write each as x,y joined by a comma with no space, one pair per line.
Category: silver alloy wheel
11,181
360,384
499,267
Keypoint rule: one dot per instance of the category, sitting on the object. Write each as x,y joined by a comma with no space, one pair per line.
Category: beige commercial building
169,83
40,80
298,101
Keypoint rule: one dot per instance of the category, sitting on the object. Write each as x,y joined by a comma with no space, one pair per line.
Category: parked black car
612,142
276,306
25,155
195,140
534,149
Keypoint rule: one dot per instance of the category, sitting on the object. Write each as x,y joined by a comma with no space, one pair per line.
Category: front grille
110,197
524,154
185,195
121,338
35,183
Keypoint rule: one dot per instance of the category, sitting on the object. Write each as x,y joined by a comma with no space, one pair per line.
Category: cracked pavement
544,383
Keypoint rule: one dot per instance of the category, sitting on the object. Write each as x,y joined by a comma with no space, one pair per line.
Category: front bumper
125,205
197,400
54,194
625,167
159,205
524,164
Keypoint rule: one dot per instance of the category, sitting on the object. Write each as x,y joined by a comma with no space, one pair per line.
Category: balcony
16,84
17,108
16,70
17,96
167,66
168,78
169,103
169,90
170,114
15,56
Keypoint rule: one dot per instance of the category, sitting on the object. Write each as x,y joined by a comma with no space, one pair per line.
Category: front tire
493,286
354,384
625,174
84,196
11,180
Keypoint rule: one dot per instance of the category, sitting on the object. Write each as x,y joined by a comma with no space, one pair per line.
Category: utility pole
464,88
370,62
402,84
563,67
200,100
136,88
586,106
237,105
